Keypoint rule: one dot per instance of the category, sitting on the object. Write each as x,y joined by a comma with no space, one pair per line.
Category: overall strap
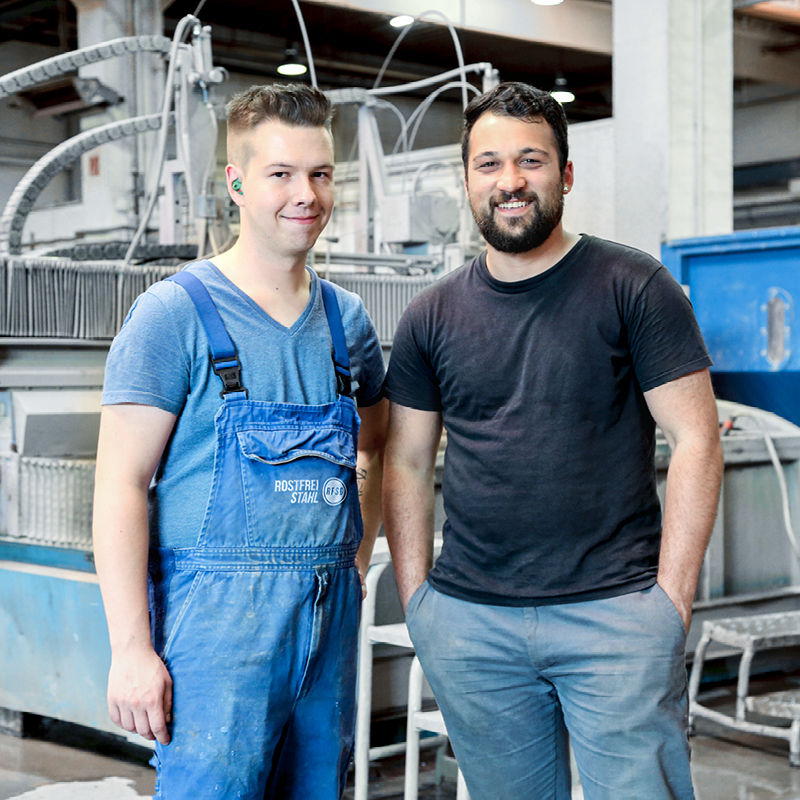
341,359
224,359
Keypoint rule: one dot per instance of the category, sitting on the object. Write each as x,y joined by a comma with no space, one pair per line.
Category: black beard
519,236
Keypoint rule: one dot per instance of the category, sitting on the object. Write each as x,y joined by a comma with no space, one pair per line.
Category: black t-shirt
549,482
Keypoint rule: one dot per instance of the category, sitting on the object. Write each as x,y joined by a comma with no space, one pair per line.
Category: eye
279,174
486,165
323,176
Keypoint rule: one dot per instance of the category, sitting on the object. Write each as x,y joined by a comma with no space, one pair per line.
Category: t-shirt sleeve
364,348
664,337
371,368
411,380
147,362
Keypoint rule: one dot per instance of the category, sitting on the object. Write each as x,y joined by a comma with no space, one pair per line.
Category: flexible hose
423,107
421,84
776,463
169,91
456,43
212,162
311,71
403,137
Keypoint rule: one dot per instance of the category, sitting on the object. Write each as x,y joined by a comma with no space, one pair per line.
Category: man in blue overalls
227,522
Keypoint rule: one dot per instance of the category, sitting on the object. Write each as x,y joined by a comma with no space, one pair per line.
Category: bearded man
560,604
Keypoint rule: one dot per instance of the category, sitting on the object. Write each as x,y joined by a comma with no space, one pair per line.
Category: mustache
507,197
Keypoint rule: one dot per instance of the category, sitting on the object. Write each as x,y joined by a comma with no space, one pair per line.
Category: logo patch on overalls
334,491
302,491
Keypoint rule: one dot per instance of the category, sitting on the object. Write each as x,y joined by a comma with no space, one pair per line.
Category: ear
569,177
233,173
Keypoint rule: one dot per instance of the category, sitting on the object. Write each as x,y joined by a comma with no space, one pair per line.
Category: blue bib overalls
258,623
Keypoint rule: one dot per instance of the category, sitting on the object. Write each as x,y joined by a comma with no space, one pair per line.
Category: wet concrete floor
62,762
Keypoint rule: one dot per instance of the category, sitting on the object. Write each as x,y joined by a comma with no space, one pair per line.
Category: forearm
690,507
408,509
121,544
369,471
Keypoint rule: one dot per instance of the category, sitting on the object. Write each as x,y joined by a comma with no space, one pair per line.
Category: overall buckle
230,373
344,383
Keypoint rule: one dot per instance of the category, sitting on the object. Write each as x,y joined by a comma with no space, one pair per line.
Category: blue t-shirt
161,358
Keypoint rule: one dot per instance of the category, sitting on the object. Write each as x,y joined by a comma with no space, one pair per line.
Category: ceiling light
291,66
401,21
547,2
561,91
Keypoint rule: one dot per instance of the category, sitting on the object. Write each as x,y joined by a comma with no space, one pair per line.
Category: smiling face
286,195
514,182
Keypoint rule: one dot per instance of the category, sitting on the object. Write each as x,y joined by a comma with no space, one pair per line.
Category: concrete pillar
673,114
111,176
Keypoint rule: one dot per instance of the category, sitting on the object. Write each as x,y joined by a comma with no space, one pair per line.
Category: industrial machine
57,320
743,287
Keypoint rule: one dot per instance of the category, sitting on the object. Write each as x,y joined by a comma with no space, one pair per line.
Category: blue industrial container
743,287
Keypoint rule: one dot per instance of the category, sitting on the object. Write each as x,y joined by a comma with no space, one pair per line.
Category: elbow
373,446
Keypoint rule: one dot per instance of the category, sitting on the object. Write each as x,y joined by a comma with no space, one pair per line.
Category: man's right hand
140,694
409,589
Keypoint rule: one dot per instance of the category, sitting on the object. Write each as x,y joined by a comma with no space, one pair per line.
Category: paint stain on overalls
258,624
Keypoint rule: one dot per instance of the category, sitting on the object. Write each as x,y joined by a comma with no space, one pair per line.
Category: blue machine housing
743,287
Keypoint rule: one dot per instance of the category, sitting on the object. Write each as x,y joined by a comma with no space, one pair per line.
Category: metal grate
55,502
60,298
385,296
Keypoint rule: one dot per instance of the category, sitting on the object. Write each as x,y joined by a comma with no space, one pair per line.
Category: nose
510,178
304,194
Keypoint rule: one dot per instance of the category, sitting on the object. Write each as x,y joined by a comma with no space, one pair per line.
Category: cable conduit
25,78
42,172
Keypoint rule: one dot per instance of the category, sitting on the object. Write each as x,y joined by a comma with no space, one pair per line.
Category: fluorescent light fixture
561,91
292,67
547,2
401,21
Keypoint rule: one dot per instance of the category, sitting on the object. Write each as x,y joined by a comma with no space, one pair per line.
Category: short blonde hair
293,104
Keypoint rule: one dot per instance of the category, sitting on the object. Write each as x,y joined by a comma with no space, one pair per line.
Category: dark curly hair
519,100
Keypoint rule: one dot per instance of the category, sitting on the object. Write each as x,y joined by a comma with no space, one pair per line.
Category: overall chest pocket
299,486
281,446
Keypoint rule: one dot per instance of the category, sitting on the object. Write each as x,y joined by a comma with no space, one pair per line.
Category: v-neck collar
297,324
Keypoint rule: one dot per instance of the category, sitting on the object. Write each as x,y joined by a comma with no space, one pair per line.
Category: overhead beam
588,26
782,11
754,59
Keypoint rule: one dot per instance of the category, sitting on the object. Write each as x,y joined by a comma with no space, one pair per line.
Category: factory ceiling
349,45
